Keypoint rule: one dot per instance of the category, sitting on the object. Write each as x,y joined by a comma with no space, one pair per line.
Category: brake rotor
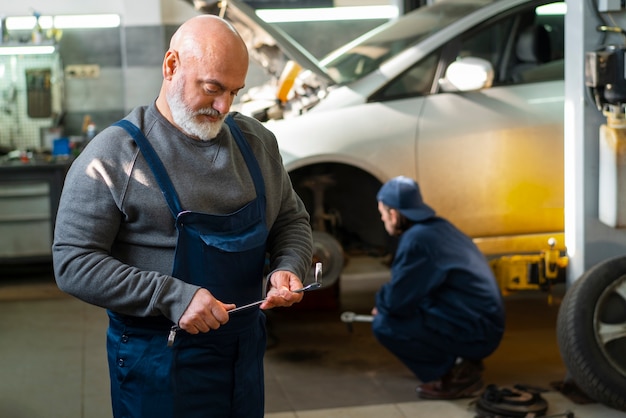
328,251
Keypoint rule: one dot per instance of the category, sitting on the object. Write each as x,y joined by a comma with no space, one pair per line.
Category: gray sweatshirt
115,236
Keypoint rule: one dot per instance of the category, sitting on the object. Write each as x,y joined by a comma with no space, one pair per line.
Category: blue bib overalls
214,374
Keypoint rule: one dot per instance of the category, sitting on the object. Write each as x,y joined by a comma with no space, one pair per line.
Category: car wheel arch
341,199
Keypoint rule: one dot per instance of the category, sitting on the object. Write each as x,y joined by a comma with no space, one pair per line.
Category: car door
492,160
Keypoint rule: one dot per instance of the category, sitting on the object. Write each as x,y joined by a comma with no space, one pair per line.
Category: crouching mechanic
441,313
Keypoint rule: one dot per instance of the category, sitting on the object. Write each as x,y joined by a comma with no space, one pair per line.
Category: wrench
350,317
315,285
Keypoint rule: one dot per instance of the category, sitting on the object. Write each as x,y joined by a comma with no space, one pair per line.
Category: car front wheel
591,332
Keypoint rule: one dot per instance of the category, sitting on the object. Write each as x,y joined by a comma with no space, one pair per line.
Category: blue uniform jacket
440,280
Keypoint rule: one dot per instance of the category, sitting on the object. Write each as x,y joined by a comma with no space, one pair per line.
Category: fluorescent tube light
21,22
327,14
64,22
86,21
26,50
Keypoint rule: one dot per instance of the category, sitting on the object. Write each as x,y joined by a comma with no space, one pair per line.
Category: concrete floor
53,361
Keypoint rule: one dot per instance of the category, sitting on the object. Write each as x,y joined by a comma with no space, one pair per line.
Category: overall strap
156,165
248,156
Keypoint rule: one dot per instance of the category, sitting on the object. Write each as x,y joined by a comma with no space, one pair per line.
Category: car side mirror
467,74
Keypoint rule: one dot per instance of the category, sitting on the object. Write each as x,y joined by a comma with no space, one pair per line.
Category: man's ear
394,215
170,64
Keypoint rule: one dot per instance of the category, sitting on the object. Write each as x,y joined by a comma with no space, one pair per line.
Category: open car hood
268,46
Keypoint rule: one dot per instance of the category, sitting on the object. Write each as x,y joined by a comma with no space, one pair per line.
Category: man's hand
204,313
283,283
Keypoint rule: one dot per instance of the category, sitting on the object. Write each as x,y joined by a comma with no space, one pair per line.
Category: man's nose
222,103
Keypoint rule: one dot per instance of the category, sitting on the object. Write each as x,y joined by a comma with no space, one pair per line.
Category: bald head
202,33
203,70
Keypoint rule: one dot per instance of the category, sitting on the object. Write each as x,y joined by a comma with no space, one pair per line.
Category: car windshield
368,52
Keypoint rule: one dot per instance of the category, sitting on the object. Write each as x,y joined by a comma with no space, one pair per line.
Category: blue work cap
403,194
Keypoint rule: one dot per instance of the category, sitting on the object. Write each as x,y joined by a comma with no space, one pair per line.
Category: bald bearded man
168,220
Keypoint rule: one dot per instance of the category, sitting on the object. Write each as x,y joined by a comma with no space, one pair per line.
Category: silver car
465,96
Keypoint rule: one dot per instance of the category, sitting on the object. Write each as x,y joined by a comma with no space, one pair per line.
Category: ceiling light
327,14
86,21
27,50
63,22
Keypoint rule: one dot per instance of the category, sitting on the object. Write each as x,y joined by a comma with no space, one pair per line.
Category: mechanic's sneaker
462,381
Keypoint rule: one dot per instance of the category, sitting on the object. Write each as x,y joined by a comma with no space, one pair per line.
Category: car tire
591,332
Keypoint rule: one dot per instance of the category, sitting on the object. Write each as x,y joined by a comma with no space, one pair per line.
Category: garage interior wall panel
101,98
145,48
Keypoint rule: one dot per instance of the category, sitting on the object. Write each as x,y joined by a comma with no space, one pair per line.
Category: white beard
185,117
